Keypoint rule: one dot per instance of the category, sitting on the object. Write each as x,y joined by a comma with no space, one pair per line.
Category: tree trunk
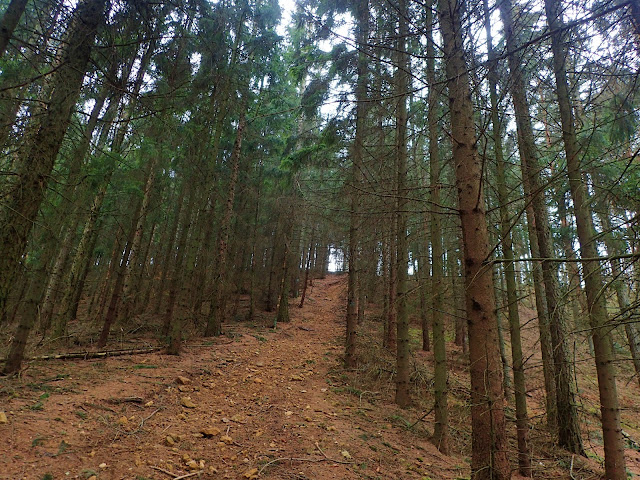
610,411
424,279
15,357
220,279
402,91
307,268
489,459
362,38
27,188
131,268
520,389
176,283
537,223
615,247
9,22
441,373
112,309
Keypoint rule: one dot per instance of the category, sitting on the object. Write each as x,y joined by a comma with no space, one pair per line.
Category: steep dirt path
264,404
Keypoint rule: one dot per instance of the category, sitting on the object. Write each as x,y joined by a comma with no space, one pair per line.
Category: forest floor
256,403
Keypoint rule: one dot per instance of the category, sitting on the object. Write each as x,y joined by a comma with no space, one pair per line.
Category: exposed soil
256,403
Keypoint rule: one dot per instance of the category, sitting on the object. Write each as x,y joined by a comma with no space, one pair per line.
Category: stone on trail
209,432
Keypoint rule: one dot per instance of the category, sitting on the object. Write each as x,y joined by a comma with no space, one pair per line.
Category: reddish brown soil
272,404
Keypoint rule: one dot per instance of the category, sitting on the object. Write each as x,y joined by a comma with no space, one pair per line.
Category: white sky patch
287,7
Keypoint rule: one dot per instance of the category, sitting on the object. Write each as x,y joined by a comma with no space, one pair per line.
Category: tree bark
362,38
9,22
441,373
27,188
561,407
171,319
214,322
520,390
403,398
489,459
610,410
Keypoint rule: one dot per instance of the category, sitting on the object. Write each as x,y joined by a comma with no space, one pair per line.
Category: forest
450,190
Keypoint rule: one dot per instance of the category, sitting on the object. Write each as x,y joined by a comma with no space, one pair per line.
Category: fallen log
101,354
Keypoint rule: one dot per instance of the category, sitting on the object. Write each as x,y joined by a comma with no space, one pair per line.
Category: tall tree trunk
27,188
520,390
610,410
424,279
575,293
56,275
73,290
545,283
221,276
440,374
254,240
402,91
362,38
489,459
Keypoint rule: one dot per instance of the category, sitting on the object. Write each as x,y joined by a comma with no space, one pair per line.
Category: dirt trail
263,404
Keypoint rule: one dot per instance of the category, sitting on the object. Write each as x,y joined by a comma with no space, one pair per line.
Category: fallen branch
290,459
176,477
421,418
103,354
118,401
187,475
171,474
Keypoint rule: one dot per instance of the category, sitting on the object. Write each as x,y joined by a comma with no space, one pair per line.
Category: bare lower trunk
173,320
488,460
15,357
221,276
112,310
520,390
402,85
538,227
615,248
610,410
440,374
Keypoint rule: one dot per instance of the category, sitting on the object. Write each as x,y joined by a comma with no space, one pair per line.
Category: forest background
170,166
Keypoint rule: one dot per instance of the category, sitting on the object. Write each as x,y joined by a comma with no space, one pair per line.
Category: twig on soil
118,401
163,470
290,459
176,477
571,469
313,460
147,418
421,418
331,459
187,475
